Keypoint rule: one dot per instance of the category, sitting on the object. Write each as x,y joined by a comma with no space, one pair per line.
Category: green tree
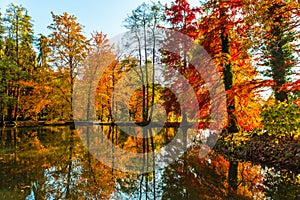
19,57
38,98
282,121
274,32
2,77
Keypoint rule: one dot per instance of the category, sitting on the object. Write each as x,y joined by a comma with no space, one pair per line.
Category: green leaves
274,26
282,120
17,59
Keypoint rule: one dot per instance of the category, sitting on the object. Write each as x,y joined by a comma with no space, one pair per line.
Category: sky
105,16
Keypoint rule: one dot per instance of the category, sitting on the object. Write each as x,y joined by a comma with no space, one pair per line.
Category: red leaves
183,18
292,86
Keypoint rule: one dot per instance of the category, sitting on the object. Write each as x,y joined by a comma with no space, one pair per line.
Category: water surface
54,163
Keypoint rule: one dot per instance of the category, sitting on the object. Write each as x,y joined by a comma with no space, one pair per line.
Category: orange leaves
67,42
67,51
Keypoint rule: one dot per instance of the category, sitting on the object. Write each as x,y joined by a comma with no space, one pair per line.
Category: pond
60,162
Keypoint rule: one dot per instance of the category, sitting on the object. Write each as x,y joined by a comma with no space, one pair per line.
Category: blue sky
100,15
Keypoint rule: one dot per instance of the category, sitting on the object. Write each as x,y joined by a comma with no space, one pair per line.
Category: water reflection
54,163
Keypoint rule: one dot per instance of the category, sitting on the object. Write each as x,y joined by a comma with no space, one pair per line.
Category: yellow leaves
43,151
131,144
41,105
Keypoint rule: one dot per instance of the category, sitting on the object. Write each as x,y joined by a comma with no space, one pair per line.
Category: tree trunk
228,81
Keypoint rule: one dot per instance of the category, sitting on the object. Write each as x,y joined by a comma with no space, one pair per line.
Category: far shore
32,123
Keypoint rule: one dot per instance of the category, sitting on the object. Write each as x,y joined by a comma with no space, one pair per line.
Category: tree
100,74
275,33
19,57
100,57
143,25
182,20
3,95
221,25
68,48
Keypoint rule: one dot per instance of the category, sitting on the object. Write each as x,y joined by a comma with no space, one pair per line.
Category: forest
254,46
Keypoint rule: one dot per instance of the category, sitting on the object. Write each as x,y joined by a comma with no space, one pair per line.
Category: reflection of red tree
206,178
213,170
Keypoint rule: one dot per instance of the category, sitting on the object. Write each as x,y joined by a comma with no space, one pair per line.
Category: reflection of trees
52,162
80,175
199,182
17,167
206,179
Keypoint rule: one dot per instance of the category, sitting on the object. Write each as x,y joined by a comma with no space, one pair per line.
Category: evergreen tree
19,57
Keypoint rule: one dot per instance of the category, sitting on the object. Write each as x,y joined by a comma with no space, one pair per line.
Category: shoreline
20,124
282,155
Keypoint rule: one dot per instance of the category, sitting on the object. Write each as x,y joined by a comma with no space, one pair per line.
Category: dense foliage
254,45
